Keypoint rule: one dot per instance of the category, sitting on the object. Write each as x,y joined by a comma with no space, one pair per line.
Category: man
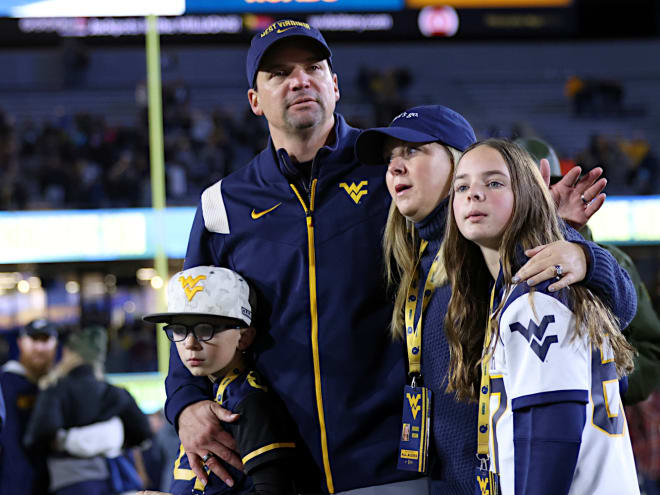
307,203
20,471
303,223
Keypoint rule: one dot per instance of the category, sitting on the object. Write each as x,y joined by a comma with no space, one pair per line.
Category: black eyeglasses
203,332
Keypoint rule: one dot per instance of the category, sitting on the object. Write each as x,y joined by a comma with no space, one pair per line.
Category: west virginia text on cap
423,124
278,31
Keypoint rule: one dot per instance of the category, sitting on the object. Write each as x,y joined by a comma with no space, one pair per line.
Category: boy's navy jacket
322,313
263,433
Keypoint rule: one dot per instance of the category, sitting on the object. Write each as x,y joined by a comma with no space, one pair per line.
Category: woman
550,360
421,147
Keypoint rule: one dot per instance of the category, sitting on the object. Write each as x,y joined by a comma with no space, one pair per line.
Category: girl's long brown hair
401,253
533,222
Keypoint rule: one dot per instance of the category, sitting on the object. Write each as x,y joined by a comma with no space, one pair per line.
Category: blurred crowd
81,161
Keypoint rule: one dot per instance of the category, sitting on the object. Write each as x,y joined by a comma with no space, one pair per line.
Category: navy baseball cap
39,327
423,124
278,31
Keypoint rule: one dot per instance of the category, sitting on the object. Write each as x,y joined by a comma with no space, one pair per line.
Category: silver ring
559,271
207,457
584,200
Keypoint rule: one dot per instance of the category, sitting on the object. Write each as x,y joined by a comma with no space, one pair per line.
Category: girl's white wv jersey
537,361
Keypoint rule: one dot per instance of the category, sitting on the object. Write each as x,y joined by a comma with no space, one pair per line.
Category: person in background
74,394
21,472
3,409
643,332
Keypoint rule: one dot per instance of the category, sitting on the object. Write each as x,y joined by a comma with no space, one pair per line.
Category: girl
420,148
550,417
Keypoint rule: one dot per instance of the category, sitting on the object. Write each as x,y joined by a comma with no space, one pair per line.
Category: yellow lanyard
414,333
484,389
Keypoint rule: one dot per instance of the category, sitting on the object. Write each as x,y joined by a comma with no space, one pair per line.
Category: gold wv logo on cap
190,286
355,191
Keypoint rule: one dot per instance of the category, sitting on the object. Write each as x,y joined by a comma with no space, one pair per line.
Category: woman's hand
201,434
544,260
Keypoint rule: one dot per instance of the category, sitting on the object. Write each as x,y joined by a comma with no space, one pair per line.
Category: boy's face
213,356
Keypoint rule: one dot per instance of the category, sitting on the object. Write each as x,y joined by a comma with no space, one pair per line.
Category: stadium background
77,234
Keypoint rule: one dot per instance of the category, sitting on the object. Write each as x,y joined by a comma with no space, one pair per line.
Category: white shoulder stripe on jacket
213,209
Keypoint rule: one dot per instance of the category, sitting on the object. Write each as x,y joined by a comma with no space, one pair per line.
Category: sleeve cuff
179,400
581,396
591,263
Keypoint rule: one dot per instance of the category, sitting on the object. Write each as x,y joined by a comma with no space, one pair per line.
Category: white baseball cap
209,292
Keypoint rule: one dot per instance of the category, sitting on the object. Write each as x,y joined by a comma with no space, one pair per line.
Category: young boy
209,319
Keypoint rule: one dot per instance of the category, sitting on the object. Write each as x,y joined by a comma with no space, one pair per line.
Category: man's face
295,89
37,353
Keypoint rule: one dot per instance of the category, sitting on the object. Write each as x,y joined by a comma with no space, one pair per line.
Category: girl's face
418,176
483,198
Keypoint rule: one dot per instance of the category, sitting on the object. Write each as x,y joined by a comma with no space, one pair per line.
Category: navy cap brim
37,333
370,145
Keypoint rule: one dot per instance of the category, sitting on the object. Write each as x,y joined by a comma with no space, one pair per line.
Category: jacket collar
433,226
275,165
15,367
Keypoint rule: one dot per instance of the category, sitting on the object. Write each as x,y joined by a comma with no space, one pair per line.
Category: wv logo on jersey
541,350
190,286
355,191
415,406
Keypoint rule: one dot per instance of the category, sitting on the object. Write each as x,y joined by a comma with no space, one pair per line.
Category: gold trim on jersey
224,383
268,448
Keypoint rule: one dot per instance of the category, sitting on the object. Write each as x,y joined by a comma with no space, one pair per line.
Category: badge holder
415,425
487,482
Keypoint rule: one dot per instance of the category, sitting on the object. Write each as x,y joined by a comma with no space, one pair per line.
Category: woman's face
483,198
418,176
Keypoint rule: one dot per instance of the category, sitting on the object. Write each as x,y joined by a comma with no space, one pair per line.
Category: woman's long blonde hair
533,222
401,253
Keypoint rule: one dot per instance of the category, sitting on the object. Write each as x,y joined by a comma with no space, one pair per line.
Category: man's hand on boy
201,433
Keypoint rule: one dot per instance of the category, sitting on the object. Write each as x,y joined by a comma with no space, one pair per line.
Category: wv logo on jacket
541,350
355,191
